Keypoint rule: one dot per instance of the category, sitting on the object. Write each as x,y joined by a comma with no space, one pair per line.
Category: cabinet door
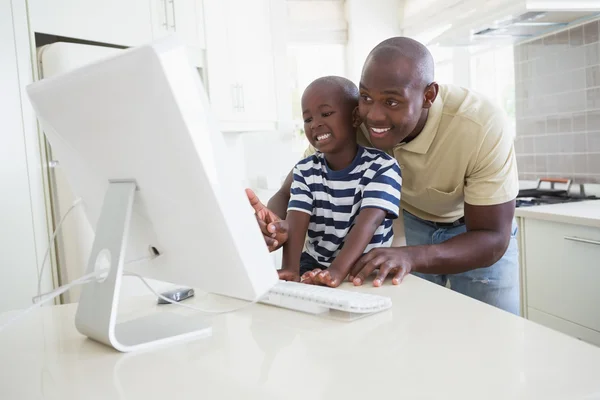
221,79
563,271
240,63
252,53
569,328
127,23
183,17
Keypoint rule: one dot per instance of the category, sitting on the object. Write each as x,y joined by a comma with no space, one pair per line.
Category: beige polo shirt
465,154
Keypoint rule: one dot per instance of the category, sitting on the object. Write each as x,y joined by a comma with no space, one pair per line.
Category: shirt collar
423,141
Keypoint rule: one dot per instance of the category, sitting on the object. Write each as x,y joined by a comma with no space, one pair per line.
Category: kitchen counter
432,344
585,213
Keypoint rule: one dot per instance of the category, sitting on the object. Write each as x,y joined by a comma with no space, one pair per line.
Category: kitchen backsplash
558,105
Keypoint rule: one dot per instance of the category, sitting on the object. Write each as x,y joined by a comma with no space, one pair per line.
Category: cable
40,300
50,243
187,305
43,298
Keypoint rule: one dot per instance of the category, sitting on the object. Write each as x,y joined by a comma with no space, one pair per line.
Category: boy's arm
367,222
292,249
381,198
299,210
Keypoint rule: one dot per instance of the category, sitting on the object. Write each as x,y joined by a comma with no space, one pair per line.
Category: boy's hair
348,91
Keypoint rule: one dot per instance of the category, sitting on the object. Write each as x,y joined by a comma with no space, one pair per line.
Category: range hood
492,22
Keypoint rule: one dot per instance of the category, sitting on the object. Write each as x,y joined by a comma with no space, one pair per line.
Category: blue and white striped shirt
334,199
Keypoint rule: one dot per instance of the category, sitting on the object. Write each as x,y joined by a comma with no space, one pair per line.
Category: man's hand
273,228
329,277
394,261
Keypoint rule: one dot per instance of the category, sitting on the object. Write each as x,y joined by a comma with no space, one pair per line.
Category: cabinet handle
166,23
235,97
242,103
174,25
582,240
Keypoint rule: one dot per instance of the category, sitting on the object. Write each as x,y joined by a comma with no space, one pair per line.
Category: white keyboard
318,299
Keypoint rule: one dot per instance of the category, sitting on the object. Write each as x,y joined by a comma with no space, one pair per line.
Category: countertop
432,344
579,213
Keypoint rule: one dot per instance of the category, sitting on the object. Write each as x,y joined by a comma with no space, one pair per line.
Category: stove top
549,199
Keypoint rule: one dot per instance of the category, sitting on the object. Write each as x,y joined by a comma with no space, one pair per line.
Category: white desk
433,344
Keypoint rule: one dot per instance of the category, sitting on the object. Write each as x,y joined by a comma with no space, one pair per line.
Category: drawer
562,271
569,328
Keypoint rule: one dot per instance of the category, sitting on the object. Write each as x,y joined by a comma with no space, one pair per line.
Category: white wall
369,22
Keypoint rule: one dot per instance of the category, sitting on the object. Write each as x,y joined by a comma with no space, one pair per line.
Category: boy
344,196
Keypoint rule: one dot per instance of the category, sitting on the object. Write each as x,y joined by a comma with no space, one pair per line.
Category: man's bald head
417,59
397,91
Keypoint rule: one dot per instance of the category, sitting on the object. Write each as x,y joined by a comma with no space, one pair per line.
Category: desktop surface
432,343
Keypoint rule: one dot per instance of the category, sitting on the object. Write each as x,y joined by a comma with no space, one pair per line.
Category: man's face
391,101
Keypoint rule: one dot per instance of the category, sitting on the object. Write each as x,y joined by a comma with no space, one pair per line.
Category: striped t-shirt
334,198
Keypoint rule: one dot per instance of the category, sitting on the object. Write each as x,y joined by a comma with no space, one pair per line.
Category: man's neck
342,159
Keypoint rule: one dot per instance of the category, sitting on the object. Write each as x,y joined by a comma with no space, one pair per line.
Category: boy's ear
356,121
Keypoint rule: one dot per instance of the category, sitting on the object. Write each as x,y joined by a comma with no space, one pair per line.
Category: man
460,179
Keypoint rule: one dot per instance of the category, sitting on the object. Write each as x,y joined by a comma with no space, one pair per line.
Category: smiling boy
344,196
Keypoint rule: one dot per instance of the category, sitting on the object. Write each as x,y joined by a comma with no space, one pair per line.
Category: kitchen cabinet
184,17
126,23
560,274
240,59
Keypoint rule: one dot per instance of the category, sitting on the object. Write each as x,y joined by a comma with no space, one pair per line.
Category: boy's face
392,101
328,119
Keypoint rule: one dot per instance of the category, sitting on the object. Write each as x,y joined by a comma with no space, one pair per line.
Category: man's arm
367,222
484,243
279,202
292,249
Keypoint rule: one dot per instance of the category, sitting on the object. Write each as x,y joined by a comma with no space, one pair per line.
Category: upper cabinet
126,23
240,61
184,17
238,46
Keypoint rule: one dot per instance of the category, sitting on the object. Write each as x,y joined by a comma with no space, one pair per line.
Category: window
318,34
492,74
308,62
444,64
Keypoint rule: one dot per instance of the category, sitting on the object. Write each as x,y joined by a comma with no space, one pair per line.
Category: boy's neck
341,159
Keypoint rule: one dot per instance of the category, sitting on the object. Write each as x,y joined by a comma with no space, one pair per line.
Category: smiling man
459,173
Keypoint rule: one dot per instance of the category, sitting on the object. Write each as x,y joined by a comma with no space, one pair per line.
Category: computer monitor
140,146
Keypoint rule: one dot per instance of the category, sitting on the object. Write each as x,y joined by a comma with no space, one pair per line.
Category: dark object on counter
538,191
178,295
539,196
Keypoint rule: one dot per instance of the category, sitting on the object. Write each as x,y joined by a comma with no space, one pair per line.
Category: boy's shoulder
310,161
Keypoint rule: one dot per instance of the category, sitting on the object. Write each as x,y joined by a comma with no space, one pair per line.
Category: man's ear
430,94
356,121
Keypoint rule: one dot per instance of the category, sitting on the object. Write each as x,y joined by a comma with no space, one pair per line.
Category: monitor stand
97,311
